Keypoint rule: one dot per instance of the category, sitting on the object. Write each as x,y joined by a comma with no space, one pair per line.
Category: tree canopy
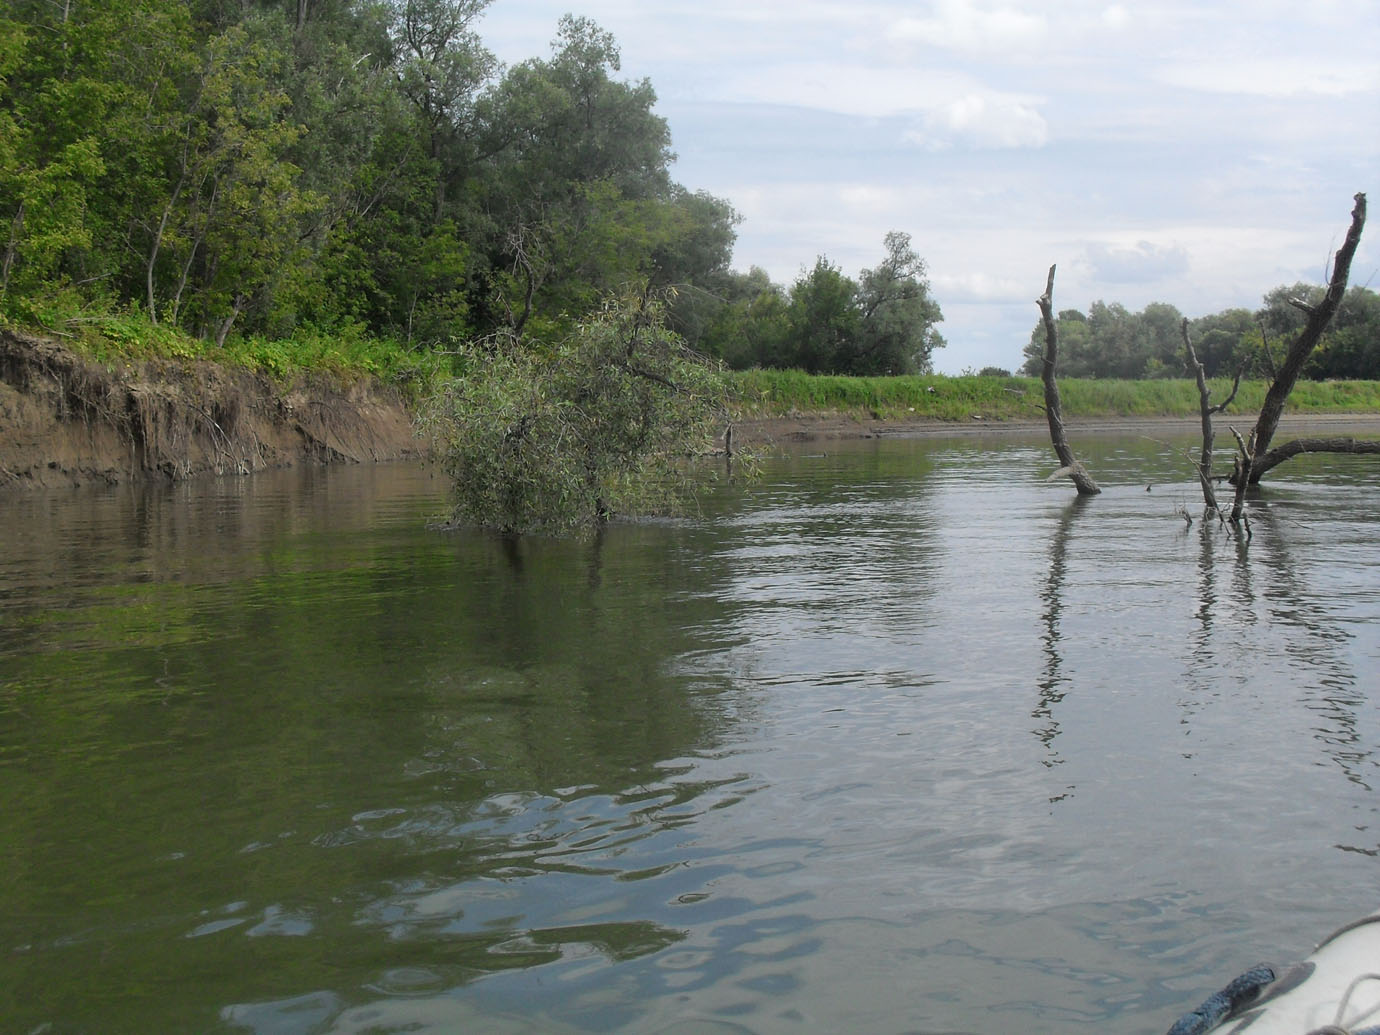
256,166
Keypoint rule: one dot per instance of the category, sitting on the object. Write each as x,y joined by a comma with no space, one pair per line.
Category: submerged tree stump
1070,465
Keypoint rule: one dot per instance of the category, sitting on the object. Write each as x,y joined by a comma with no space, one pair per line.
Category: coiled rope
1239,993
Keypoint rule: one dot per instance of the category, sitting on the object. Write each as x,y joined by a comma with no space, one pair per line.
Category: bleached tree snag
1206,410
1319,316
1069,464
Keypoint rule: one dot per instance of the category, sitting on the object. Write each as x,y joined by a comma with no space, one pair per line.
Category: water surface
904,739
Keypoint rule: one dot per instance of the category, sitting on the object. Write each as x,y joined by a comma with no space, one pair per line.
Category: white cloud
862,90
1116,17
1139,263
984,288
988,121
1274,76
966,26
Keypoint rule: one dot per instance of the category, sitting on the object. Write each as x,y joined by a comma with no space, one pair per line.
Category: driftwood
1069,465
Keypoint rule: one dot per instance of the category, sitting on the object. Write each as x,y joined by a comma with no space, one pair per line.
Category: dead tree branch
1274,457
1205,409
1069,464
1319,316
1244,461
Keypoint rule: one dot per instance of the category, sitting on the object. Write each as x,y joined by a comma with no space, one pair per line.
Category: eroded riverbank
66,419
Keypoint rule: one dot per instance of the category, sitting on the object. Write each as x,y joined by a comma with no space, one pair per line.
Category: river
900,739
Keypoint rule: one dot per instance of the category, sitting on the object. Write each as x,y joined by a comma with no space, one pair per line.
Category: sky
1192,152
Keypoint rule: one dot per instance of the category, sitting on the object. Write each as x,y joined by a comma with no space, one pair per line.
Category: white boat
1335,991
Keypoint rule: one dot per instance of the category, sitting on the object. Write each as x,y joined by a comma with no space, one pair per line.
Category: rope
1236,995
1346,1001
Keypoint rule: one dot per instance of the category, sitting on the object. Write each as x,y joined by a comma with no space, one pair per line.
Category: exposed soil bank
67,420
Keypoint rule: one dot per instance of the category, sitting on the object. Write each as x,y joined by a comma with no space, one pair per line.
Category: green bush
564,437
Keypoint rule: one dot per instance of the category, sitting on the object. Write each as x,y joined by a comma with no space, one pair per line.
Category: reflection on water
905,739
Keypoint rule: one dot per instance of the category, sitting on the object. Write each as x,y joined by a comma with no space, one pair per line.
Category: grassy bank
779,393
122,336
116,337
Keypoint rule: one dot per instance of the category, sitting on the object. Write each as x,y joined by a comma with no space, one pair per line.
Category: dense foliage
280,169
262,166
600,423
1110,342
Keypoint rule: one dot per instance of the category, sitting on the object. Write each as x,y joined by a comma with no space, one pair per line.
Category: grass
122,336
781,393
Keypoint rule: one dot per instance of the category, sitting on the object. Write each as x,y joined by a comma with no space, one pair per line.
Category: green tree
1076,358
824,320
577,190
566,436
1160,335
1351,348
1111,341
1226,342
897,314
51,165
751,326
229,207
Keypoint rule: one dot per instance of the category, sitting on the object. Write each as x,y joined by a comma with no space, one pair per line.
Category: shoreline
67,420
815,427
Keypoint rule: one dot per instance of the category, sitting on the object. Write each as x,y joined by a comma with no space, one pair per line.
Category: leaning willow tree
1255,455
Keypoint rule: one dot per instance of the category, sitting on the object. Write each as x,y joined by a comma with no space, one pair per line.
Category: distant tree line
368,167
1108,341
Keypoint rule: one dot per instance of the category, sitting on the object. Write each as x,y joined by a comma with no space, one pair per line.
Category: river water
901,739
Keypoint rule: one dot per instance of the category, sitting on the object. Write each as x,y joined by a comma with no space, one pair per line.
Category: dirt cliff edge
68,420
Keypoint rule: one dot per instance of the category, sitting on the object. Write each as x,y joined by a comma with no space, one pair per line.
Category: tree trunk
1319,317
1206,410
1053,408
16,228
224,330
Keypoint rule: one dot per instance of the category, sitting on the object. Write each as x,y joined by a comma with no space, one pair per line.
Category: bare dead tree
1070,465
1261,457
1206,409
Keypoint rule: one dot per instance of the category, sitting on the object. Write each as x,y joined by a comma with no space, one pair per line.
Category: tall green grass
121,336
781,393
